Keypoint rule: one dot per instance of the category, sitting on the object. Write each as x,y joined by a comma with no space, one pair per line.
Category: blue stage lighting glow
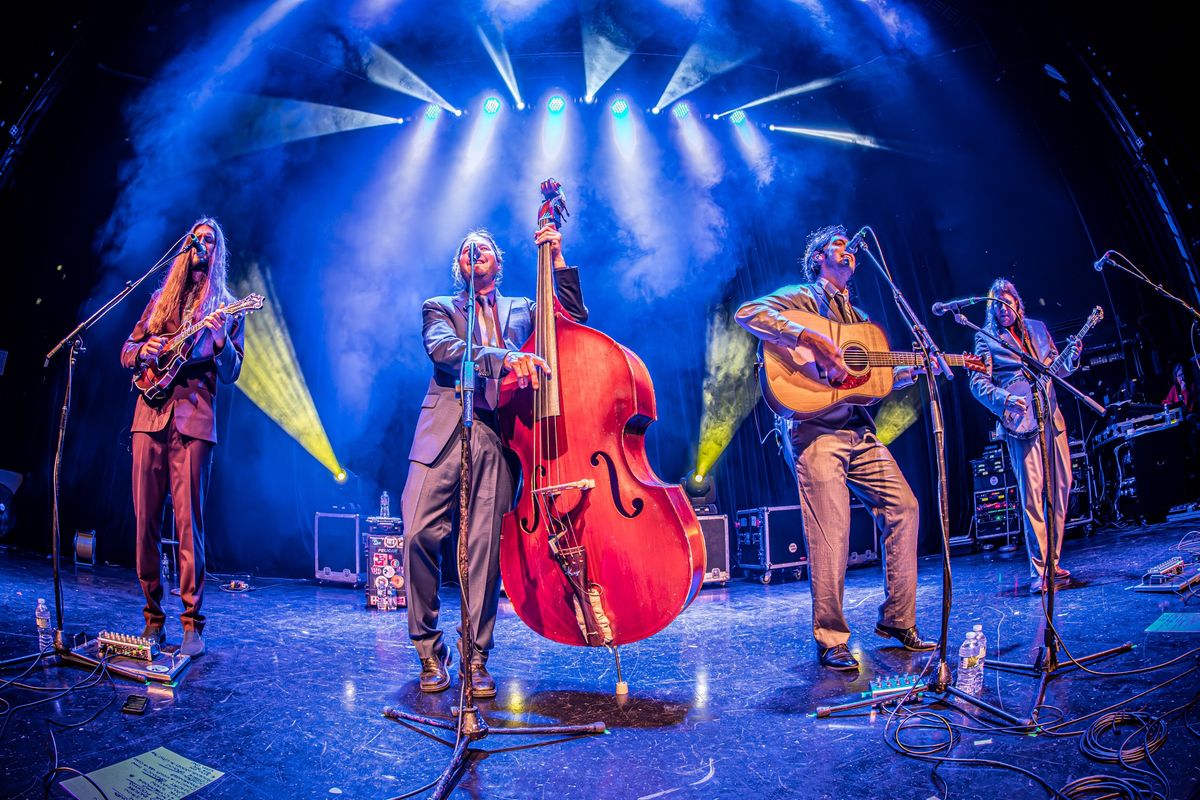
620,107
433,112
737,117
556,104
680,110
491,105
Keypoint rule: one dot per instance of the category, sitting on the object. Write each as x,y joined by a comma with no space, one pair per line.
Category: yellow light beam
730,391
271,375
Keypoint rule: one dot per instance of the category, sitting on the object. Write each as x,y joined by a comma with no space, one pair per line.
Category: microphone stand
939,686
471,725
1130,268
1045,664
73,341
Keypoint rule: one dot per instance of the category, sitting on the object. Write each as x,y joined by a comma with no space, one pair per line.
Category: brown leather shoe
483,685
910,637
435,673
837,657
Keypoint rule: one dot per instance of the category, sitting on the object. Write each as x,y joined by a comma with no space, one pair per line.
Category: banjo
1023,424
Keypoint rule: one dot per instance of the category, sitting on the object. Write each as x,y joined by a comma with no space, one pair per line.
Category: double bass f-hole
637,503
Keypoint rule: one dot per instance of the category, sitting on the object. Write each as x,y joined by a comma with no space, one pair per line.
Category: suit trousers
167,461
827,468
428,504
1026,456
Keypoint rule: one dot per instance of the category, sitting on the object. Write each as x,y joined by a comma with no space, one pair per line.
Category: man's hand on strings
527,366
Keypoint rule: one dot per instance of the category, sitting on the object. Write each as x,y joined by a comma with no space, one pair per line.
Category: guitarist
836,451
1006,321
173,438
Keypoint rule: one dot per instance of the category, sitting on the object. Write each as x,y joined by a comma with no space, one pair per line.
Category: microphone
857,242
473,253
1104,259
194,242
955,306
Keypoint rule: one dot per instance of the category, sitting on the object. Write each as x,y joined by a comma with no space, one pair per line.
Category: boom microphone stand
931,354
1045,664
471,726
73,341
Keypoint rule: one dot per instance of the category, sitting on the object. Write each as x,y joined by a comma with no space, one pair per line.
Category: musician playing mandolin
836,451
431,491
174,436
1006,321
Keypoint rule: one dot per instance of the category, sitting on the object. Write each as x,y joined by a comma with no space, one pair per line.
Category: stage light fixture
619,107
433,112
399,120
491,105
737,117
556,104
680,110
340,476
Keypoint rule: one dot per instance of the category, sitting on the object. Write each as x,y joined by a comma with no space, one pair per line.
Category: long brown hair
204,297
992,324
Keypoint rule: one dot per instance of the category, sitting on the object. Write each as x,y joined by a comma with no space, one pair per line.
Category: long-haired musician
837,451
1006,321
173,437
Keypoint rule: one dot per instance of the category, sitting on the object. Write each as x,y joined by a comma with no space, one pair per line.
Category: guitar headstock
973,363
554,204
1094,318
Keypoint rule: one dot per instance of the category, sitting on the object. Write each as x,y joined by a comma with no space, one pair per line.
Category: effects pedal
124,644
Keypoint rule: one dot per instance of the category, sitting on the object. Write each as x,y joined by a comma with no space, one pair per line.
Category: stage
288,701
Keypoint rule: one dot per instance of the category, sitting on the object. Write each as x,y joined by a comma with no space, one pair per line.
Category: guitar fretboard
876,358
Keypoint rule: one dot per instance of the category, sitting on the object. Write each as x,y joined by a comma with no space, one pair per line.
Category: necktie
844,310
487,315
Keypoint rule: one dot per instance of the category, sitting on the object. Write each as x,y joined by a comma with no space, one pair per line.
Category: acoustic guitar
153,379
796,388
1023,424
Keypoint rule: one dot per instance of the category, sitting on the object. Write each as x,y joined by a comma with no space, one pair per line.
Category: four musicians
833,453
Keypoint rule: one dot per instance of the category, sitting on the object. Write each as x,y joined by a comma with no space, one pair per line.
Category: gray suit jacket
444,331
1006,367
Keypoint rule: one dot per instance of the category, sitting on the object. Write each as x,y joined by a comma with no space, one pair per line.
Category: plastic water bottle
982,643
45,634
164,569
385,504
970,666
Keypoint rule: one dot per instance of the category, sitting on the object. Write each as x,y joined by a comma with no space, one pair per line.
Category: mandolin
153,379
796,388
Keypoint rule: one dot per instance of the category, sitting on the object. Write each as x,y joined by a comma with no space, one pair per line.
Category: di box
385,563
715,528
337,546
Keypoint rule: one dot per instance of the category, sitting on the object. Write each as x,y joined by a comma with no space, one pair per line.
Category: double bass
598,551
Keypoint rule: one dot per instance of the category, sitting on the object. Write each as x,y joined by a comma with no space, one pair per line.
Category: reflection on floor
288,701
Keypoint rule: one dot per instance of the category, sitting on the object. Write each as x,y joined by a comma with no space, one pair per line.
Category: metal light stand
471,726
73,341
1045,664
939,686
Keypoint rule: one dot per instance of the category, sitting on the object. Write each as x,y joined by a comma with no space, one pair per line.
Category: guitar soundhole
856,359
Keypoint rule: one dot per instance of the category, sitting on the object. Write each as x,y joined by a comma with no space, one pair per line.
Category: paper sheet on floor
158,775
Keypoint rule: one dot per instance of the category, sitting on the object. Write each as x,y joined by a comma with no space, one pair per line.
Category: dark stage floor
288,701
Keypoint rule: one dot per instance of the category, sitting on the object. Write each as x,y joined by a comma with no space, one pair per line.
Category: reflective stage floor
288,701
